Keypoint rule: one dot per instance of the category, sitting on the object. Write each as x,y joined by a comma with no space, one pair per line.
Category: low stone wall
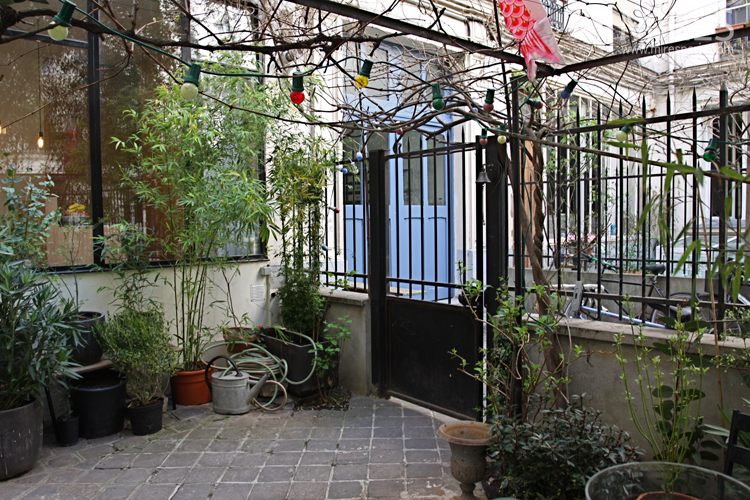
598,374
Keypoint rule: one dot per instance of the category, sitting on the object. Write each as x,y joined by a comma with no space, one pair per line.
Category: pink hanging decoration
527,21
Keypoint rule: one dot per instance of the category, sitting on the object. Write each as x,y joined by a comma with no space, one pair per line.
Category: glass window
436,165
412,169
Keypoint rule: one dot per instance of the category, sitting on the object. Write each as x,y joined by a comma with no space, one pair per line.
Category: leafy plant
329,354
301,167
25,219
195,163
670,393
553,453
138,344
34,333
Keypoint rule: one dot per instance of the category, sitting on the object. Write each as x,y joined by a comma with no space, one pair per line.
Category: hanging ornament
568,90
527,21
189,88
360,156
489,101
710,153
437,97
483,138
502,138
363,78
298,88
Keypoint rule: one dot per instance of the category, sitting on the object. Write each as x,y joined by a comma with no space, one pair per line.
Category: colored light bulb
360,156
189,88
297,97
568,90
489,100
363,78
62,21
483,138
437,97
622,134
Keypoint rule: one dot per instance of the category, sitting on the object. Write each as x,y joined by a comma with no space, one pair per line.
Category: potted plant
67,423
138,344
194,163
35,324
302,168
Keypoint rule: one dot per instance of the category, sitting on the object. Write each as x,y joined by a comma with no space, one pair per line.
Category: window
738,12
623,41
556,13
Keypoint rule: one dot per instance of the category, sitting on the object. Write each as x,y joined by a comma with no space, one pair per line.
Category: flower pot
299,360
146,419
468,442
89,352
20,439
239,338
68,429
99,401
190,388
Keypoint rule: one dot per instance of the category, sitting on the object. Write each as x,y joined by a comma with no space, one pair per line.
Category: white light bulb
189,91
40,142
621,136
58,33
501,139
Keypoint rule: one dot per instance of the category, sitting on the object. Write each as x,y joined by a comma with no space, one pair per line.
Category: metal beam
368,17
646,52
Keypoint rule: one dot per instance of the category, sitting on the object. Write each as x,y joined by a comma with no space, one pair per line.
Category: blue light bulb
565,94
360,156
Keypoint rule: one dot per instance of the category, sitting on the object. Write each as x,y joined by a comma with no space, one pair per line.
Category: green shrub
552,455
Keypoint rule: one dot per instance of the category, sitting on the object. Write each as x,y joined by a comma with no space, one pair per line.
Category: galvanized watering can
234,392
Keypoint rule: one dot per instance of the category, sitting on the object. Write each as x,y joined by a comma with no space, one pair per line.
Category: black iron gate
418,323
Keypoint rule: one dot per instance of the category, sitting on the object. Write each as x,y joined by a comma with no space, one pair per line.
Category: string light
533,103
437,97
40,140
298,89
502,139
342,169
483,138
568,90
622,134
710,153
62,21
363,78
400,131
489,101
334,209
190,83
360,156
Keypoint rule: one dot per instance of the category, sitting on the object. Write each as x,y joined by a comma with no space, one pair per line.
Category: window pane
51,77
352,183
412,169
379,85
435,174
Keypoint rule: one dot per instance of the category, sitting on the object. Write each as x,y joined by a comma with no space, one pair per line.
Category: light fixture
363,78
62,21
710,153
325,248
400,131
298,88
360,156
568,90
533,103
489,101
190,84
482,177
622,134
437,97
40,140
483,138
502,139
353,170
341,168
3,130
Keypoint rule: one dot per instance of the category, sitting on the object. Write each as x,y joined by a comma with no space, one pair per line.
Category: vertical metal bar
464,195
450,236
325,215
479,211
723,119
407,181
670,201
496,206
597,209
646,183
624,216
422,210
576,190
378,285
434,216
558,209
95,140
518,252
695,208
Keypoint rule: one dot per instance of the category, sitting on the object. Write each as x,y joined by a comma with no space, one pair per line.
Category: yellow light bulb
361,81
501,139
58,33
40,141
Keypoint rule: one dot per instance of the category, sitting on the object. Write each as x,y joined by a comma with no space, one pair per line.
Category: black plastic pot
89,351
146,420
20,439
99,401
68,431
298,358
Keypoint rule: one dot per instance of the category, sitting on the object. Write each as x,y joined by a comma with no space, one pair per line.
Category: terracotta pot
190,388
239,338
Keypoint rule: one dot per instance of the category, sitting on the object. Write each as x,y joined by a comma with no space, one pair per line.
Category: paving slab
378,449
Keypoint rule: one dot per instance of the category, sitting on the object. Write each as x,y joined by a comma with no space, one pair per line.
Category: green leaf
665,348
730,172
625,121
707,455
663,392
691,395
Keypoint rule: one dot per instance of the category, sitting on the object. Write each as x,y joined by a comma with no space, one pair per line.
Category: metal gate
417,320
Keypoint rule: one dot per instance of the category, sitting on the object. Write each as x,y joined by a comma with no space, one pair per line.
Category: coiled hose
256,361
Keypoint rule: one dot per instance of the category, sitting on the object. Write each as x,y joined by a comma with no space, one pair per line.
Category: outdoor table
662,480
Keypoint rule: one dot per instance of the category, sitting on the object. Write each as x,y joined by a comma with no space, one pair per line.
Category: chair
737,453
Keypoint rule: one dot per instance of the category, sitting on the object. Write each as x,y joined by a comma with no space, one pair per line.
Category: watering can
234,392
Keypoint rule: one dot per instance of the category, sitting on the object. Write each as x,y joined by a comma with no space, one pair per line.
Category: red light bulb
483,141
488,107
297,97
400,131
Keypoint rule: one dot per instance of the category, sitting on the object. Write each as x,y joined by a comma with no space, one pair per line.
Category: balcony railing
556,13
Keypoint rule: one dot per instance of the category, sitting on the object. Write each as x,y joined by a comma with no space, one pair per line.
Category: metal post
723,122
497,223
479,210
518,251
378,284
95,140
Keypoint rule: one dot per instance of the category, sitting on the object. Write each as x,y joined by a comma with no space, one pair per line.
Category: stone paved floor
377,449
